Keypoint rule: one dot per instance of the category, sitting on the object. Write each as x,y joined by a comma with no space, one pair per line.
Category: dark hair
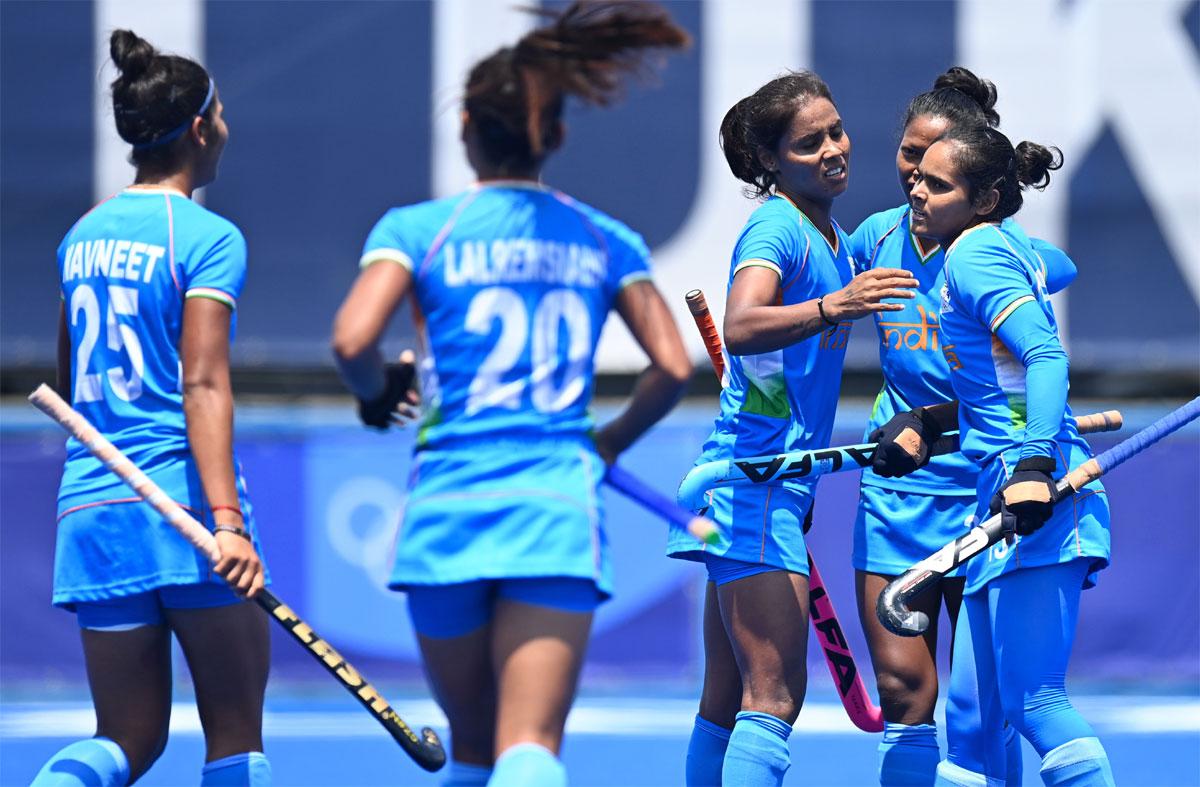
515,95
958,96
153,95
987,160
759,121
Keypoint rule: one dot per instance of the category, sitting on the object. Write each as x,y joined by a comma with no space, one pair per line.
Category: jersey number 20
553,388
121,301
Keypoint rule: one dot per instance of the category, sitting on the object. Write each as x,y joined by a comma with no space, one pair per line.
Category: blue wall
327,496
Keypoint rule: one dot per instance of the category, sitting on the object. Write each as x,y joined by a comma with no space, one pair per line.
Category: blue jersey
784,400
513,282
1008,370
126,268
910,353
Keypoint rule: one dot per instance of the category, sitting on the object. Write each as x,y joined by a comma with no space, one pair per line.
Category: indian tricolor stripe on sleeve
392,255
212,294
1007,311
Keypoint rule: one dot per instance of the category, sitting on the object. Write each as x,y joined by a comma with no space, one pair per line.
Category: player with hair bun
792,296
150,281
1009,374
502,550
902,519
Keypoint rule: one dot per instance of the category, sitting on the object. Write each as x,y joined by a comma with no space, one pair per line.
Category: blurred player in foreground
150,281
791,298
1009,372
502,550
901,520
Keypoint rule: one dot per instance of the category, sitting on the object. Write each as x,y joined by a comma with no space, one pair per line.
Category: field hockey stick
893,610
850,688
425,750
701,528
792,465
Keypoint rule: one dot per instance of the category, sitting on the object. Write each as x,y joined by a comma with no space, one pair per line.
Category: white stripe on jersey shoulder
212,294
634,278
391,255
968,231
1007,311
759,263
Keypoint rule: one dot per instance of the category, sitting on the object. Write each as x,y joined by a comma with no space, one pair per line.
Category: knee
781,698
906,696
142,744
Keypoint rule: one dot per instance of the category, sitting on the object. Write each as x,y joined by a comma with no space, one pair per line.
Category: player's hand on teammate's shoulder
400,402
866,293
239,565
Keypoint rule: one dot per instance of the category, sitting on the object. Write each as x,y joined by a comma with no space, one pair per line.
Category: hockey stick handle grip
893,606
698,306
701,528
425,750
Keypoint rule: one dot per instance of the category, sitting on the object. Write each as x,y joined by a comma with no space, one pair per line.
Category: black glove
1026,501
904,443
378,412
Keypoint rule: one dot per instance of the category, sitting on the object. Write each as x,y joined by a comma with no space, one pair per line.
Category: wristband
237,531
821,311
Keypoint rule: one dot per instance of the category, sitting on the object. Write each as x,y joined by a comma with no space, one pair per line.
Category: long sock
95,762
460,774
1077,763
1013,764
758,751
528,765
908,755
706,753
950,774
237,770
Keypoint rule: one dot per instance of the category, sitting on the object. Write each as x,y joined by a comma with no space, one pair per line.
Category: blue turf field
624,740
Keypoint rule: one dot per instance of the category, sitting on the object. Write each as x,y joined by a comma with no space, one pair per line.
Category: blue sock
1078,763
528,765
237,770
95,762
908,755
1013,764
460,774
706,753
950,774
758,751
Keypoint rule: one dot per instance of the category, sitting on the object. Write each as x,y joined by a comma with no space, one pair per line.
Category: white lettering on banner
1065,70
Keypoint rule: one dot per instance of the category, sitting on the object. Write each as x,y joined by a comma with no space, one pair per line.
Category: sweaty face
812,160
940,198
919,134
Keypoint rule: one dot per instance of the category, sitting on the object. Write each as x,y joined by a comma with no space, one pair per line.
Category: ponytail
515,96
987,160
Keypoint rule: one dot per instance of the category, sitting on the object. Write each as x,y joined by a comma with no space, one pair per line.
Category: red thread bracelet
228,508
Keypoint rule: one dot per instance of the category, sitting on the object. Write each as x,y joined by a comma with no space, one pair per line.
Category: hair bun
131,53
981,91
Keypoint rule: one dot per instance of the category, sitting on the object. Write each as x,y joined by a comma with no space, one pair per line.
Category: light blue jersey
915,373
778,401
512,282
1008,369
126,269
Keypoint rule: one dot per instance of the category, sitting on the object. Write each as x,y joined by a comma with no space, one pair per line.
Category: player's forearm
208,410
654,394
750,330
363,373
1030,337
